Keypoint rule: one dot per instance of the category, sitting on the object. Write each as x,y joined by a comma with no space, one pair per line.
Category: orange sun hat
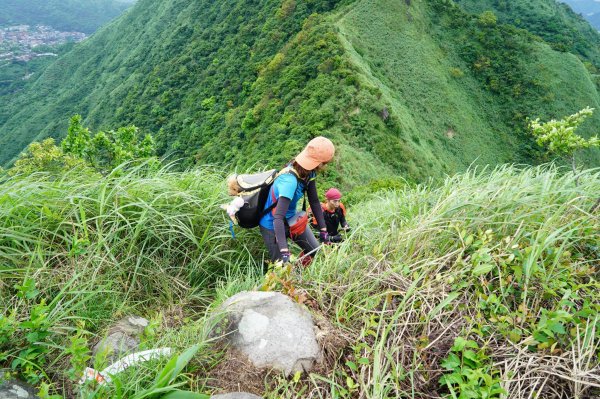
318,150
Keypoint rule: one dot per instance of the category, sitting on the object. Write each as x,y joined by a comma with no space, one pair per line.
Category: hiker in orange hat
283,220
334,213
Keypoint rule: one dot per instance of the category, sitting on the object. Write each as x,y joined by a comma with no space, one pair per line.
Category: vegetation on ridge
416,88
554,21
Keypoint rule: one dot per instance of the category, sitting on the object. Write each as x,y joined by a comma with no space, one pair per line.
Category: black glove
324,237
335,239
285,256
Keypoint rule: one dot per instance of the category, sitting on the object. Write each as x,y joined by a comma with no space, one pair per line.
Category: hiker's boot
305,260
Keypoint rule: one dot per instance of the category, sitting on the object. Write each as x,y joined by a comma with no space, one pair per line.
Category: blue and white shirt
289,186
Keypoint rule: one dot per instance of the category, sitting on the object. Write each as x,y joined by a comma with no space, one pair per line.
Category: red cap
333,194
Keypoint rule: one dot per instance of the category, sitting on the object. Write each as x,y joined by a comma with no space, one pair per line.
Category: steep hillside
420,65
417,88
26,51
555,22
66,15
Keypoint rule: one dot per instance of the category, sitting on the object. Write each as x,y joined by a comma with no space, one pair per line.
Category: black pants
306,241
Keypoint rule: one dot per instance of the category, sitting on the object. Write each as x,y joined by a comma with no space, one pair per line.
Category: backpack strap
287,169
312,176
271,208
274,202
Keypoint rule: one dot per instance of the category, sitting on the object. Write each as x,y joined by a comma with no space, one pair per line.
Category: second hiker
334,214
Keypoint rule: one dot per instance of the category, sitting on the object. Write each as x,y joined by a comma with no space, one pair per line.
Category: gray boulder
13,389
236,395
122,338
271,330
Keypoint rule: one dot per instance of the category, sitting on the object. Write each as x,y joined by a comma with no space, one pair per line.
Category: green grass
444,122
406,63
416,274
85,248
507,259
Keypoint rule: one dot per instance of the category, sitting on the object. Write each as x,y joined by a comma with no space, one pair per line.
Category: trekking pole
231,229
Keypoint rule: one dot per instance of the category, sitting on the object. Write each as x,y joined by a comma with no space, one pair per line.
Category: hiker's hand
285,256
335,239
346,228
324,237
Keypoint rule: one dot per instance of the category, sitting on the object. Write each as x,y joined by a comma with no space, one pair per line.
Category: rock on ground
271,330
122,338
13,389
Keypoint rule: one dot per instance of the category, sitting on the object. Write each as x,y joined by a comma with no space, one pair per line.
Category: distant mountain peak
590,9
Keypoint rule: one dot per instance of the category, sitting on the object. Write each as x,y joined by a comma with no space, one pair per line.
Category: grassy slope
404,61
496,257
397,50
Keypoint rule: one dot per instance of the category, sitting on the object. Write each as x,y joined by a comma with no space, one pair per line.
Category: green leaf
471,356
451,362
297,376
540,337
178,394
351,365
174,367
469,240
459,344
498,391
482,268
472,344
557,327
350,383
451,297
453,378
33,337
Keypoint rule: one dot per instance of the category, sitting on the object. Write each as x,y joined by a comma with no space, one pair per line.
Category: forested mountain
555,22
589,9
421,88
66,15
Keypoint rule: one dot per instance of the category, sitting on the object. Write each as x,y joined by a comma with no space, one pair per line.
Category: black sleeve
342,218
315,204
283,204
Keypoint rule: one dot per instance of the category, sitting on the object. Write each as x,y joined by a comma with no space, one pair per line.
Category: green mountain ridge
555,22
420,88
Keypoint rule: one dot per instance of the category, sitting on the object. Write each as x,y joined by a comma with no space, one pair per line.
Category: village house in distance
18,43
